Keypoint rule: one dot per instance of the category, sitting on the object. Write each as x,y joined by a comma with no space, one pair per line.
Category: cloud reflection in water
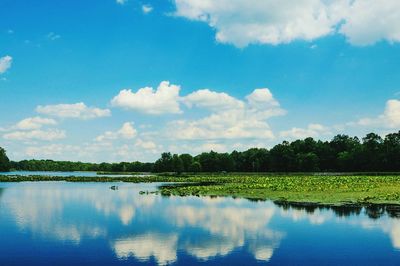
149,227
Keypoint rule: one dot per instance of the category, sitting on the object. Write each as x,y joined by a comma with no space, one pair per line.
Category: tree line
342,153
50,165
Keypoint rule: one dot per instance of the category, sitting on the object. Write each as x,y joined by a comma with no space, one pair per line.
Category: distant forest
341,154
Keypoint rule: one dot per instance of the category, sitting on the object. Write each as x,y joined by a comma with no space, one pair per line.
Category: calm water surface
50,173
60,223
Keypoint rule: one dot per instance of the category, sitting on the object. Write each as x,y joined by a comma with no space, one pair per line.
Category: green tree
195,167
208,161
177,164
4,161
282,158
187,161
371,156
391,152
165,163
308,162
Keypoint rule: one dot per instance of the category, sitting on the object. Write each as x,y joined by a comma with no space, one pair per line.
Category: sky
125,80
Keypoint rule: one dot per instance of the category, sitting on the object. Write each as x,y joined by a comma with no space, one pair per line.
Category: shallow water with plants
92,223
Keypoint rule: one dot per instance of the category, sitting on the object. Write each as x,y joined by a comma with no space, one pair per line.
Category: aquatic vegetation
322,189
339,190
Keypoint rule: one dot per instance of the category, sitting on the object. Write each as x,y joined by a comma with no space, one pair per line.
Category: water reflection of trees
310,208
374,211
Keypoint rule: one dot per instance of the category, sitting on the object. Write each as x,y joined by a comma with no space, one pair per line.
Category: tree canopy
50,165
341,154
4,161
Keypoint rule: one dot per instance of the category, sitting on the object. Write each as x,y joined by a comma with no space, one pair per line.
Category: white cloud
230,124
262,98
47,135
147,145
127,131
389,119
369,21
77,110
5,63
212,100
34,123
243,22
51,150
147,9
94,151
66,151
391,116
237,120
165,99
312,130
198,148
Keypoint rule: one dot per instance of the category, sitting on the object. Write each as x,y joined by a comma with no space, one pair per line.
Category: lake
61,223
63,174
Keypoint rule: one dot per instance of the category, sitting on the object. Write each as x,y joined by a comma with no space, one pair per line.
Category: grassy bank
336,190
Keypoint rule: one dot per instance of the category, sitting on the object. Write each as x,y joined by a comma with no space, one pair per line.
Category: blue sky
126,80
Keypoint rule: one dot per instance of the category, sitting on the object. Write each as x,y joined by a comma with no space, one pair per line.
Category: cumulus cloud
369,21
146,145
234,119
391,116
389,119
261,98
127,131
51,150
267,22
37,134
66,151
163,100
244,22
96,151
212,100
121,2
34,123
5,63
230,124
76,110
312,130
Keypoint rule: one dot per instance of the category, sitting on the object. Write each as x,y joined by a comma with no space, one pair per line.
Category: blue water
61,223
62,174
